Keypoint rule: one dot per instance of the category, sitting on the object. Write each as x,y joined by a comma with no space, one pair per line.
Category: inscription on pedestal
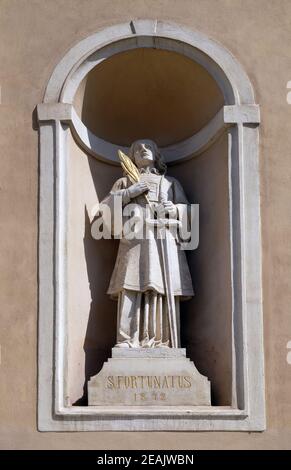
144,384
148,381
150,387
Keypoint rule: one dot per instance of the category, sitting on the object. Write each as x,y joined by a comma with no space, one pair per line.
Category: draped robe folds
137,281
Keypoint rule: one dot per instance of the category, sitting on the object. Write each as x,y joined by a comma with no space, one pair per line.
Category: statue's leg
149,334
144,327
153,330
166,332
128,319
163,332
159,320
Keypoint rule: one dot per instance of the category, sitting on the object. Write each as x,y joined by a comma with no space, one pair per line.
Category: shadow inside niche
100,332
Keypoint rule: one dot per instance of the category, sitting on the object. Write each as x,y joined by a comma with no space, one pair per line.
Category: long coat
139,264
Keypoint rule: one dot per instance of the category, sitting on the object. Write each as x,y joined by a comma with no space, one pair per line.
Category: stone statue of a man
138,281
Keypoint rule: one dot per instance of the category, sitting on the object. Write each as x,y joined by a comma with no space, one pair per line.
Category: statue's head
145,153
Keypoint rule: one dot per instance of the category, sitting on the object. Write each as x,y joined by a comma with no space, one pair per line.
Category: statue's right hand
137,189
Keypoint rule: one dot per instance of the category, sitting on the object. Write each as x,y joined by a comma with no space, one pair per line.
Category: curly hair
160,165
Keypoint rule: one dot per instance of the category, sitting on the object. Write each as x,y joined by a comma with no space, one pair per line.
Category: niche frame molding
240,118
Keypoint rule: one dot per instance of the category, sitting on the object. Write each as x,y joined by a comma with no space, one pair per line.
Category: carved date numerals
150,396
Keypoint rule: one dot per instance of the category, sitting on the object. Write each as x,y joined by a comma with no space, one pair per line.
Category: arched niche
147,91
214,153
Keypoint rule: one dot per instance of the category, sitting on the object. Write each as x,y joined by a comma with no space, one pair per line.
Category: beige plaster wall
35,34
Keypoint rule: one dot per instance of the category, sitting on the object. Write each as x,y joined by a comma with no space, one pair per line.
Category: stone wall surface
34,35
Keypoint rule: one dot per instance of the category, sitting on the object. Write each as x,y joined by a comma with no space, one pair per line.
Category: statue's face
144,153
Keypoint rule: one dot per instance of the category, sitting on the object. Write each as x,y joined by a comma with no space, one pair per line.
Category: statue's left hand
170,209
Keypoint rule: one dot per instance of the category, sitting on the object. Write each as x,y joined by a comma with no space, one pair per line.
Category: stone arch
92,51
240,115
68,74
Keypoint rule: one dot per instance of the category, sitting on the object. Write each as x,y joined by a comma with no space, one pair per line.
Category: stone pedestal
142,377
